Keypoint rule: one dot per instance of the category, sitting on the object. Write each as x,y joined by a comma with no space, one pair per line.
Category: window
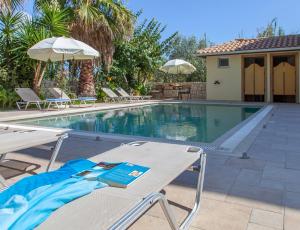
223,62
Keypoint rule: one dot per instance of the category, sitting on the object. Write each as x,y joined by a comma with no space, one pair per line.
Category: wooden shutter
290,79
278,72
259,81
284,79
249,80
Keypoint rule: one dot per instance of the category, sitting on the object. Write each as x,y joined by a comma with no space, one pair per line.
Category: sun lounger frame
149,201
59,93
28,97
124,94
55,151
111,96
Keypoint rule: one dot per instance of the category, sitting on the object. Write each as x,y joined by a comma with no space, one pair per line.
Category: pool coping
226,144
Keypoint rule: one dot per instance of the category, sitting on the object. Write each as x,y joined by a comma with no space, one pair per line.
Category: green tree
97,23
18,33
9,4
272,29
137,60
185,48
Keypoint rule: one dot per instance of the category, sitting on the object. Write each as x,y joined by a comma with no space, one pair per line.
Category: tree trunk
36,77
86,84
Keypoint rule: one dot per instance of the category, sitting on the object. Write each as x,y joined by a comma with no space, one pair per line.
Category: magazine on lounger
116,174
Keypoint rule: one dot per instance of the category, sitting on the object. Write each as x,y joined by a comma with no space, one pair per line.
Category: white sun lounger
59,93
28,97
124,94
15,137
111,96
115,208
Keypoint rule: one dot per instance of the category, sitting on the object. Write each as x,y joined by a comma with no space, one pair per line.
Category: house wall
230,79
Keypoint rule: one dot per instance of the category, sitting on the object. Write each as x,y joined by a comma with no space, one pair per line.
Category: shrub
8,98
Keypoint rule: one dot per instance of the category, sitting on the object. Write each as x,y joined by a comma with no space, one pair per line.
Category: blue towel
27,208
26,185
30,211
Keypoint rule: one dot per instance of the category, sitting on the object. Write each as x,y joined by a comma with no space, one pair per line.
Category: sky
221,20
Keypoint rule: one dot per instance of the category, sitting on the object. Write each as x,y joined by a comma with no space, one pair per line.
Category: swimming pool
175,121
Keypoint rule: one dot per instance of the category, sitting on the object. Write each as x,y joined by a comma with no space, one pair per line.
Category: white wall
229,77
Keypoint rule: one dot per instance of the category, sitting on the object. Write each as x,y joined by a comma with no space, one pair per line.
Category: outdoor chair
28,97
111,96
185,90
59,93
117,208
124,94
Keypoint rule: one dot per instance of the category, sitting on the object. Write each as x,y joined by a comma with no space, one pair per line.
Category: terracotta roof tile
255,44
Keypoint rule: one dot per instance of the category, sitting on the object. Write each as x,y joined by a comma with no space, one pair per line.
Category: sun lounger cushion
57,100
27,207
87,98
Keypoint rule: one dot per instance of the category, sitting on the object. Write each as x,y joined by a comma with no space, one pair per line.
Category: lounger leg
150,200
141,208
27,104
201,170
3,183
2,180
39,106
19,108
2,157
56,151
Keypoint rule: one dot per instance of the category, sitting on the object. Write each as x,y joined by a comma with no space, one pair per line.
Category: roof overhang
250,51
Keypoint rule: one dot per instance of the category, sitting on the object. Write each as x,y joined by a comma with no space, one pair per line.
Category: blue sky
221,20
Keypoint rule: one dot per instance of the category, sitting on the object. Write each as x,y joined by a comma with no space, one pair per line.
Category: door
284,79
254,79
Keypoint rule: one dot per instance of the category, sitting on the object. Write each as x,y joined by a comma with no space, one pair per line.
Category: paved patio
262,193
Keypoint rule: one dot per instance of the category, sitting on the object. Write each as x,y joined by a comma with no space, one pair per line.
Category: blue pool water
184,122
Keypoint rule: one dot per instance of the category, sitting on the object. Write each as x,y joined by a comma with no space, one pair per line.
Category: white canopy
178,66
61,48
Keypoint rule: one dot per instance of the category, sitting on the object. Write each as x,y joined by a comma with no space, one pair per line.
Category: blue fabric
57,99
40,208
26,185
87,99
27,208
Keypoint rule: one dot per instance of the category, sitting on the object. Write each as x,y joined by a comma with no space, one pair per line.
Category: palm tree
9,4
95,22
98,23
19,32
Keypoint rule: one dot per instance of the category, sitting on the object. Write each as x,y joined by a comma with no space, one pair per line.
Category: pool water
183,122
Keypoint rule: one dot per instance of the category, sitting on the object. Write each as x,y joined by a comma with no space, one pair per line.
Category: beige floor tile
217,215
149,223
256,197
266,218
252,226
